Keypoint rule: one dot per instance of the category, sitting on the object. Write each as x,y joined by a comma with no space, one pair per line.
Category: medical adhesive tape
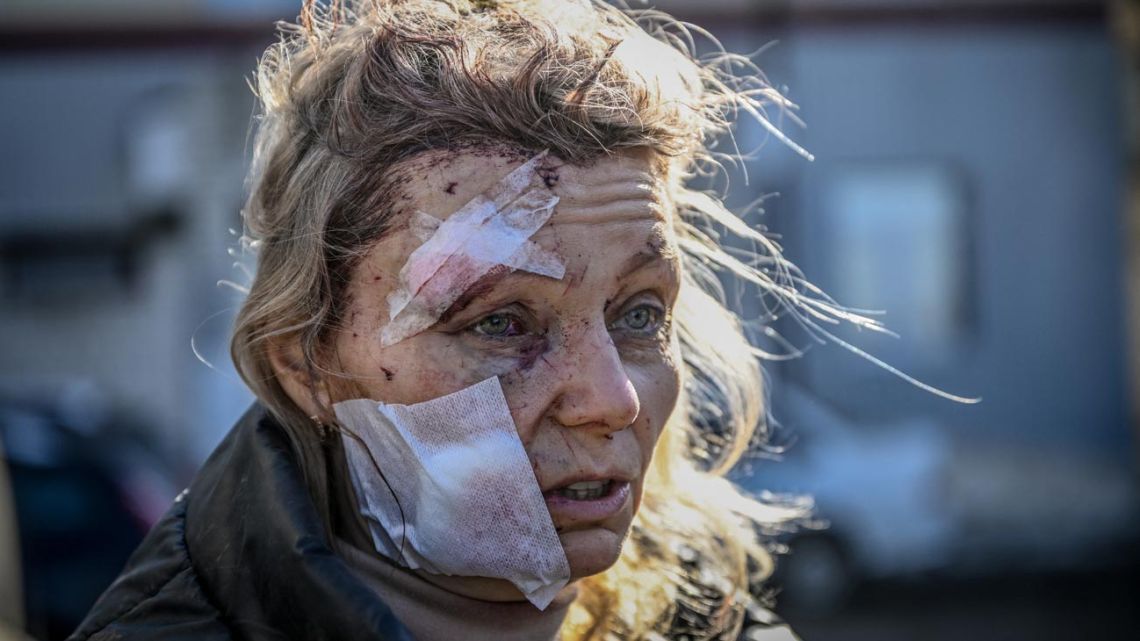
492,229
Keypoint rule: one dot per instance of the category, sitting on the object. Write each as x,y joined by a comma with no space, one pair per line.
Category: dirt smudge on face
450,189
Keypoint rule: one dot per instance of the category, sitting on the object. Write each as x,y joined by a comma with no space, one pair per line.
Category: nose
596,390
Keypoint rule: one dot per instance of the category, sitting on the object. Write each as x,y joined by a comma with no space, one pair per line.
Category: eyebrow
656,249
479,288
642,259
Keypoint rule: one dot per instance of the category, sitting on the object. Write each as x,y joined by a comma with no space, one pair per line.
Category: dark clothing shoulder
241,554
159,585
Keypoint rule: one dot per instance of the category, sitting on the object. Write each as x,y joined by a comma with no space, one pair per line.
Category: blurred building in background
973,168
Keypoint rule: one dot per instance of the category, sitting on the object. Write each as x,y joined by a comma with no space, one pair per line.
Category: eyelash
514,320
654,325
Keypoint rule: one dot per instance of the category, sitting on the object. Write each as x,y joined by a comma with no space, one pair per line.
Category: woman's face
587,362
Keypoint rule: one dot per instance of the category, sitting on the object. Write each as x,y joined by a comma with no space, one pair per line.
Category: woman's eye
643,318
498,326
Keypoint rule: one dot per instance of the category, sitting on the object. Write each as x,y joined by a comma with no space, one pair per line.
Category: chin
591,551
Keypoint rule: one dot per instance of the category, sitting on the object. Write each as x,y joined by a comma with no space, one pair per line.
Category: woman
498,388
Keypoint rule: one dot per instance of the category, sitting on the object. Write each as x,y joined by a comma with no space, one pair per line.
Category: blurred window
896,241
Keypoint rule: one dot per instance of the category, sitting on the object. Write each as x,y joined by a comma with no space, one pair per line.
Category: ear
301,379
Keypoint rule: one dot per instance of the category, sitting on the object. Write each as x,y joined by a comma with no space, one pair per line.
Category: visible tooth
585,490
582,495
587,485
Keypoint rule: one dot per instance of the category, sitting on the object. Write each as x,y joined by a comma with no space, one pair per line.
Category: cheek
354,372
425,367
522,371
658,387
527,372
404,373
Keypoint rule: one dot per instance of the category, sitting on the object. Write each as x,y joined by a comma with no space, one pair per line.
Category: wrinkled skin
587,363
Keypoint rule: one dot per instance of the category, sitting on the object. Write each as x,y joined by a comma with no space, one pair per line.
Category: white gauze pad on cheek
492,229
446,486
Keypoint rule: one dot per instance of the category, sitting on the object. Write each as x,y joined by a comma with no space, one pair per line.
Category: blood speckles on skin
549,173
549,176
531,353
451,187
576,279
388,374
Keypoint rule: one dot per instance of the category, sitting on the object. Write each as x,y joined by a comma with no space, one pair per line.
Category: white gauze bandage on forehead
492,229
446,486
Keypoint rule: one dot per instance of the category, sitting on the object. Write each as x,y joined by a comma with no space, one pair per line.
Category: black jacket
244,554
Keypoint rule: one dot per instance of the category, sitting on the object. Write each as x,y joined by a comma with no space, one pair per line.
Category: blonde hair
355,88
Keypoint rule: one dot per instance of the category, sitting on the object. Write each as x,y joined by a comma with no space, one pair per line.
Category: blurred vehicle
84,493
907,499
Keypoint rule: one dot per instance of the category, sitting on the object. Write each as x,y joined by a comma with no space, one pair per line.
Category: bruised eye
498,326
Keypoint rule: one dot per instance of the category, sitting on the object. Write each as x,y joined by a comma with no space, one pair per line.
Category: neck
488,589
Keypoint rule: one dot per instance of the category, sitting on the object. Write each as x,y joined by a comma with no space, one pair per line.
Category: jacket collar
260,548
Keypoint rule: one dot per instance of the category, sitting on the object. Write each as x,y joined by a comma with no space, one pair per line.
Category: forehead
611,217
630,185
